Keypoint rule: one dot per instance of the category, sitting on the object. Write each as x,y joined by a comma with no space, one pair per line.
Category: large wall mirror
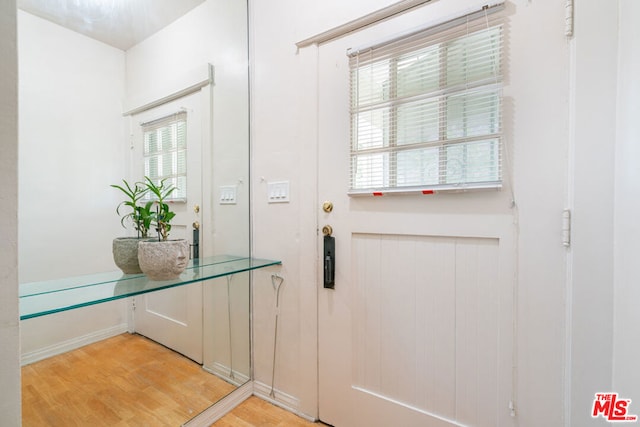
86,92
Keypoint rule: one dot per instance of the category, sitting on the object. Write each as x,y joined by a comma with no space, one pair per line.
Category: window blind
165,152
426,110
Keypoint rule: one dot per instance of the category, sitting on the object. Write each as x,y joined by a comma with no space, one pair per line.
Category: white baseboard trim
222,407
221,371
281,399
72,344
242,393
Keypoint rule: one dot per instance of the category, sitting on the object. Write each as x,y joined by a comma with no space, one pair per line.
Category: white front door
419,328
173,316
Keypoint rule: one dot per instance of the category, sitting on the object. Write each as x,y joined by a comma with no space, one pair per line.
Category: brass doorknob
327,230
327,207
196,225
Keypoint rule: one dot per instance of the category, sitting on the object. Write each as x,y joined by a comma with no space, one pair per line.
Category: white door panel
419,328
173,317
423,324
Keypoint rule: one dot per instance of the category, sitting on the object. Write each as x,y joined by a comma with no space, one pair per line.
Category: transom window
426,110
165,152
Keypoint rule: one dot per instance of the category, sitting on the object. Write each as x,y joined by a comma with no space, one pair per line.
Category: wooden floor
255,412
126,380
129,380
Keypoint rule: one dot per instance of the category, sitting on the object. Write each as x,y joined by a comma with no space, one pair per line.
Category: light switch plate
228,195
278,192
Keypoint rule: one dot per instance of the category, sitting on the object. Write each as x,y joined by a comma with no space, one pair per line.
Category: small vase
163,260
125,254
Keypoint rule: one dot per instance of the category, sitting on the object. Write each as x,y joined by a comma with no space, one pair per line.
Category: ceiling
119,23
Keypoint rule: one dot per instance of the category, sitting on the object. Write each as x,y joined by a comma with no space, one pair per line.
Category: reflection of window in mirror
165,152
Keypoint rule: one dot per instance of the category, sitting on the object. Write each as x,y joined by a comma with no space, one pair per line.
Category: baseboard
242,393
281,399
221,371
222,407
72,344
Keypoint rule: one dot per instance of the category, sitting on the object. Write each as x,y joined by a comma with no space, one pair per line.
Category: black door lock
329,262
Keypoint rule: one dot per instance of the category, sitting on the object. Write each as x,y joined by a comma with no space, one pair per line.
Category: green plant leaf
134,194
163,214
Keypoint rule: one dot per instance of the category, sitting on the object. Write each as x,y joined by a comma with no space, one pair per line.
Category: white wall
626,346
71,149
595,55
9,329
283,147
604,292
539,95
283,107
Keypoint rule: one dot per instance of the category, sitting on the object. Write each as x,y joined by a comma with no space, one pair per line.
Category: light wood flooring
129,380
255,412
126,380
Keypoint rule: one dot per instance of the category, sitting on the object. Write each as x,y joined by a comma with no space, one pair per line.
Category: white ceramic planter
163,260
125,254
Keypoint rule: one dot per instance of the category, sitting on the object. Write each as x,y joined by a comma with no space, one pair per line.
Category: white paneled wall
426,323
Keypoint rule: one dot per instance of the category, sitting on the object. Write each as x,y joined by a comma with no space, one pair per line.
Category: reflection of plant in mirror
140,216
163,215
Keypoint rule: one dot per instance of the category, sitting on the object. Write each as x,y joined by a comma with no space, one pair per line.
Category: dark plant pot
163,260
125,254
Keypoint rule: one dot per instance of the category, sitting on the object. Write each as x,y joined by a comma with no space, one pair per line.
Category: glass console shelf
52,296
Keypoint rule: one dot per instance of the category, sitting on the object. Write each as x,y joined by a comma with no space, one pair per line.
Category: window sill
426,190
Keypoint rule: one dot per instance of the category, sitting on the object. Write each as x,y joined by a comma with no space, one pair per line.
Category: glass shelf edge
200,273
103,278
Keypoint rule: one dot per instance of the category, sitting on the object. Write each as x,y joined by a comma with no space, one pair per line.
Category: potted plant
125,249
162,258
